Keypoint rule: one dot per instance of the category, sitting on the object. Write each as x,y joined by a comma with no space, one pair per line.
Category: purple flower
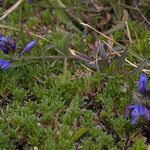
29,46
143,84
6,44
30,1
1,37
5,64
137,111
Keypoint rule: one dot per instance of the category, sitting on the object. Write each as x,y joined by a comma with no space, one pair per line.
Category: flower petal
6,44
5,64
146,113
1,45
128,110
135,115
134,119
143,84
1,37
5,50
14,46
8,39
29,46
30,1
137,111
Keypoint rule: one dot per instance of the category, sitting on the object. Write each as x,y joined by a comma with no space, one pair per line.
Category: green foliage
56,103
98,140
33,22
139,145
46,17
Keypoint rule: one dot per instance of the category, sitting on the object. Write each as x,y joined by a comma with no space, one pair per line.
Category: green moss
57,103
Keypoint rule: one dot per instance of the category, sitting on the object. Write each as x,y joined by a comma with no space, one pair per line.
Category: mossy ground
54,104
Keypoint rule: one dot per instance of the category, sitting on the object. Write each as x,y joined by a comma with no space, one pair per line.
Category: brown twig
11,9
142,15
107,37
128,32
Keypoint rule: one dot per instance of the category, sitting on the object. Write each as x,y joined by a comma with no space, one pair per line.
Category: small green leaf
81,132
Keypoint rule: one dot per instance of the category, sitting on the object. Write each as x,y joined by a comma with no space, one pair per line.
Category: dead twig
107,37
142,15
11,9
128,32
127,6
132,64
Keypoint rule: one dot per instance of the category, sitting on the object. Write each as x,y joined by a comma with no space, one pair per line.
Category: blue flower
30,1
29,46
6,44
5,64
137,111
143,84
1,37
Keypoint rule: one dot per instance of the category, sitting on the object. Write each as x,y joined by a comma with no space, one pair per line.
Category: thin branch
107,37
128,32
11,9
142,15
127,6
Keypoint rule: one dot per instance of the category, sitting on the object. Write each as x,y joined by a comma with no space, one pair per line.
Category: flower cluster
137,111
7,46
